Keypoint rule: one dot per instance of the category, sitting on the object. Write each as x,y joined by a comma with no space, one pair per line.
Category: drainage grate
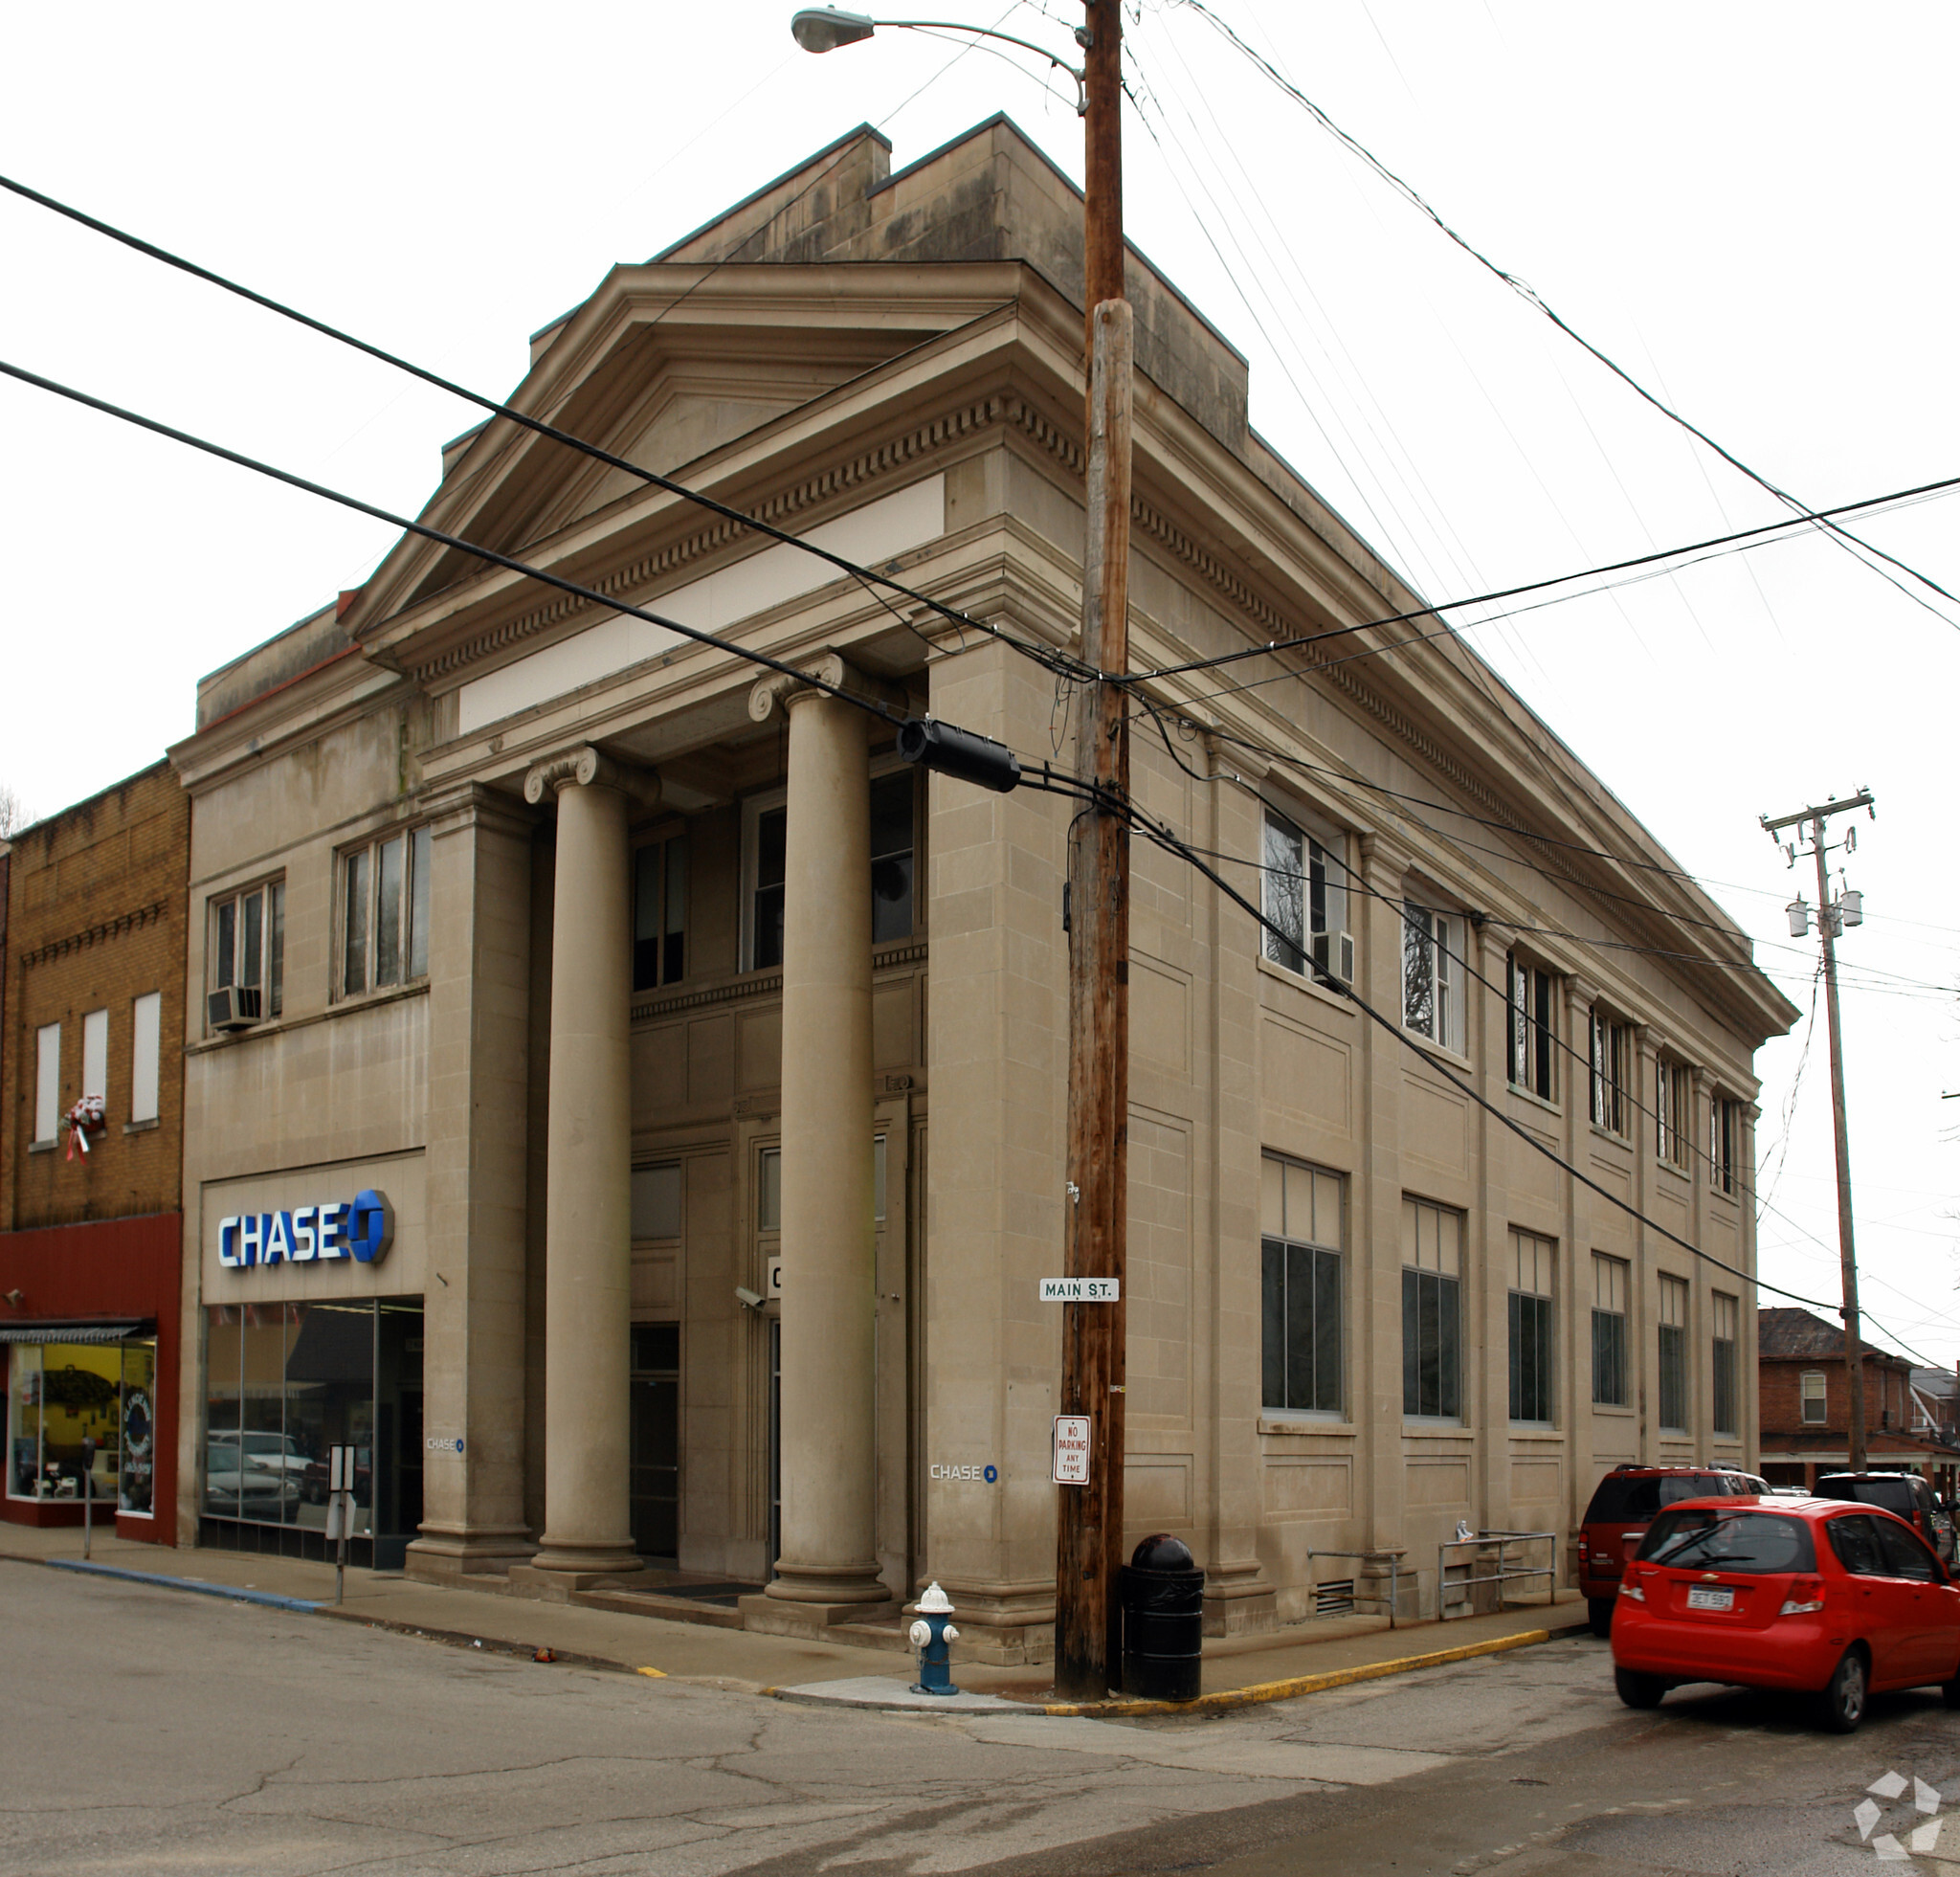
1334,1598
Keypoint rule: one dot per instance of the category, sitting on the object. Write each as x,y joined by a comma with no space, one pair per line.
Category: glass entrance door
655,1458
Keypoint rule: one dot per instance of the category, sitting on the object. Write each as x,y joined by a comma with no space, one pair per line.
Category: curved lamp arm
824,29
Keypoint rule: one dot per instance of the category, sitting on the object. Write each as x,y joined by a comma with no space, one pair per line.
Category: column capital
1384,861
830,669
453,806
584,767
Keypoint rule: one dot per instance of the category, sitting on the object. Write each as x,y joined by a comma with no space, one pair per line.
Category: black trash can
1163,1597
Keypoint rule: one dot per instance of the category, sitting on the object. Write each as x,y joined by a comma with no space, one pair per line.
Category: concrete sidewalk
1236,1669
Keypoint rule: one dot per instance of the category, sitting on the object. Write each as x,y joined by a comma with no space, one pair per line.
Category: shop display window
285,1384
62,1394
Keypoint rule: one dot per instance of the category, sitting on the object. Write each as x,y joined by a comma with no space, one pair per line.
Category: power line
440,536
867,577
1434,609
1849,541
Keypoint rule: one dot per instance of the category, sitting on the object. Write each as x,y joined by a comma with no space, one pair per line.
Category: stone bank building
645,1138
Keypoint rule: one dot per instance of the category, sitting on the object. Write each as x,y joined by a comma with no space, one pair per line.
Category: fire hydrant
933,1635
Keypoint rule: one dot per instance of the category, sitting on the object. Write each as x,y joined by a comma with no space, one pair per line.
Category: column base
829,1584
1237,1603
450,1556
776,1615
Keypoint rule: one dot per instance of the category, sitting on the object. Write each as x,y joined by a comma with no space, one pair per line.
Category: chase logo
362,1229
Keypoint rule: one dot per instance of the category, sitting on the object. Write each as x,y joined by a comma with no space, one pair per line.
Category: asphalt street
144,1730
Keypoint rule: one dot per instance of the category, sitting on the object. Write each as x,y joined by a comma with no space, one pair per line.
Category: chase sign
362,1229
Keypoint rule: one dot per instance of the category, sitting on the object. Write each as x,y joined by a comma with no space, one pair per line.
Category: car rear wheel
1843,1701
1638,1690
1599,1614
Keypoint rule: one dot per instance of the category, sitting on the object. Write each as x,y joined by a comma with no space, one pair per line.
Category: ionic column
587,1251
829,1566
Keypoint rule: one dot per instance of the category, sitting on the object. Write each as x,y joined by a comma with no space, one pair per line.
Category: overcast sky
1747,206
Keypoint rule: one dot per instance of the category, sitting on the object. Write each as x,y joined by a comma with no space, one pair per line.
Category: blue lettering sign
361,1228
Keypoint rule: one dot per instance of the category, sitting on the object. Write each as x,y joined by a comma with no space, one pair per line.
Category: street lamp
824,29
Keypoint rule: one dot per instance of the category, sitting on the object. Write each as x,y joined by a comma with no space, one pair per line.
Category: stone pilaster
479,1060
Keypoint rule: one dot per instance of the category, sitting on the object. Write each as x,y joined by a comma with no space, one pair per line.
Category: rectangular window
1608,1331
892,858
1674,1354
768,1189
1533,1262
1672,1142
247,955
1725,1314
95,1054
1433,975
1533,1030
657,1201
659,913
47,1082
1301,1257
1722,1133
385,913
1432,1274
146,1054
1610,1058
1305,892
1816,1399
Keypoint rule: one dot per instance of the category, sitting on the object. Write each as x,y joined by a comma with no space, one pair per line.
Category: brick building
1805,1399
90,1196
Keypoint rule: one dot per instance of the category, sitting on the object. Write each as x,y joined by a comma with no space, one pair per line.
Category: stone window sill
1271,1422
42,1147
142,1127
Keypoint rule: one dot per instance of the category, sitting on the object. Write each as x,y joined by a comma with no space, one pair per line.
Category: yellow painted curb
658,1674
1262,1691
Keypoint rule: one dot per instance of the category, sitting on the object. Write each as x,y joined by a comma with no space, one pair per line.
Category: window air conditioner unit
233,1007
1333,956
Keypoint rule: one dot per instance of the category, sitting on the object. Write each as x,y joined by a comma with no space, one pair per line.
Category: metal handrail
1369,1557
1502,1576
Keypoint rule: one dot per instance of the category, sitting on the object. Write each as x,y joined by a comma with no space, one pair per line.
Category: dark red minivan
1624,1504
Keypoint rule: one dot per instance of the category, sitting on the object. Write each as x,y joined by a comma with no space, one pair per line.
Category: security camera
749,1300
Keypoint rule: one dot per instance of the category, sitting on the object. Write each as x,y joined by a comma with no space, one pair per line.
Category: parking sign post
340,1511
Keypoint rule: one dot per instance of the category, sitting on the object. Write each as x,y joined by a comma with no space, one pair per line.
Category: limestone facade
676,1081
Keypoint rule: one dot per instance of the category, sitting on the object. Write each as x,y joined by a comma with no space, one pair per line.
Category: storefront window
286,1384
62,1395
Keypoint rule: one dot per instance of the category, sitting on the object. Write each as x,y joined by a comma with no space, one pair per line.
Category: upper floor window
146,1054
892,850
1432,1311
1723,1128
1608,1331
1534,1031
655,1201
47,1084
1671,1118
385,913
1814,1408
245,957
1299,1251
659,913
1533,1328
1610,1058
1304,896
1433,974
1725,1314
1674,1354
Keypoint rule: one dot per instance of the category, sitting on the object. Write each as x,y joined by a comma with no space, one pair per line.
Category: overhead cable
1849,541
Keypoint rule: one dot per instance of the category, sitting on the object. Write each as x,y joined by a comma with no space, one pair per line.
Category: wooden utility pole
1089,1525
1830,917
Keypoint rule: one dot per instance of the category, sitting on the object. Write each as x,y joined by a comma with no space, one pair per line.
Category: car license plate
1710,1597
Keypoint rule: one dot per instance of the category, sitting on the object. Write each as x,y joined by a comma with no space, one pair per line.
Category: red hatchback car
1815,1597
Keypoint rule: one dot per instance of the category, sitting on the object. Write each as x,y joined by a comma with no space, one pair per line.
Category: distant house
1805,1405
